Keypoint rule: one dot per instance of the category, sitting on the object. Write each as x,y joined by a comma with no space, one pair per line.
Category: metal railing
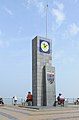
21,100
10,100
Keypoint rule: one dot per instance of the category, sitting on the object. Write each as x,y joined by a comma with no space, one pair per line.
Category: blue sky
20,22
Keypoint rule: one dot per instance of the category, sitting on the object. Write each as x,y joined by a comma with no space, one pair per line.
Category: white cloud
27,3
71,31
60,6
8,11
4,44
59,15
38,4
58,12
74,29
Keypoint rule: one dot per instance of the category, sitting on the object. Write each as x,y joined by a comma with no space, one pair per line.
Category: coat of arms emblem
50,77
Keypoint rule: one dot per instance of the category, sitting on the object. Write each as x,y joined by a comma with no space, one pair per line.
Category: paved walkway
9,112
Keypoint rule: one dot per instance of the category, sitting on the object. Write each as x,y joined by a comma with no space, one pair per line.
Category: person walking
14,100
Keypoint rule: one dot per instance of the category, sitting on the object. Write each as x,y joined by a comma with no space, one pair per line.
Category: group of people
59,100
28,99
14,100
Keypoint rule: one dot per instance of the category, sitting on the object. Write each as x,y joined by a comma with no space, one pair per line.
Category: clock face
44,46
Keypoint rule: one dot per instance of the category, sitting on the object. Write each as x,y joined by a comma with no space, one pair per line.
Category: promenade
10,112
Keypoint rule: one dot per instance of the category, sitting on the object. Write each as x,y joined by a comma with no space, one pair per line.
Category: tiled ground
9,112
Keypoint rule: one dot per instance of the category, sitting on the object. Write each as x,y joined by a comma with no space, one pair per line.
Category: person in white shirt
15,100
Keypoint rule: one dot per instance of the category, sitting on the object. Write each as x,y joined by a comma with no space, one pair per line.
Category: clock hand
45,46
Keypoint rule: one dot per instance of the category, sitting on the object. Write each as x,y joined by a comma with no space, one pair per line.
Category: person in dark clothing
60,100
1,101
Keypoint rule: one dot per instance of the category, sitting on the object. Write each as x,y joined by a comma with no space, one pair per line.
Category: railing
10,100
21,100
71,100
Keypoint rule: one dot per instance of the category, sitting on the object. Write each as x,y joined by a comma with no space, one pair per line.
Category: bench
29,103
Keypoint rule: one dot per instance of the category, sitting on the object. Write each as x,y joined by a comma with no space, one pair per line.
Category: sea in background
21,100
10,100
71,100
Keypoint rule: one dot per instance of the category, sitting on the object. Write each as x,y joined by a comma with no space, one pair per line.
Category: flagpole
46,20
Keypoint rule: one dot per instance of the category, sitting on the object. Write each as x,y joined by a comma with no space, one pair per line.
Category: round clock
44,46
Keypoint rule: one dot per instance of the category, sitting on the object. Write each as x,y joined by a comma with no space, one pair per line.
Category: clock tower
43,73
